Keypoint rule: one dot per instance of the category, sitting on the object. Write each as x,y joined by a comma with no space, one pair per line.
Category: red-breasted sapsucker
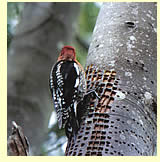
68,88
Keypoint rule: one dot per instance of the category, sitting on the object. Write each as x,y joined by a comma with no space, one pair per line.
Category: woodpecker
68,88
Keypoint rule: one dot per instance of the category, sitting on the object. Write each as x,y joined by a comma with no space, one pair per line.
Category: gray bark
124,43
43,29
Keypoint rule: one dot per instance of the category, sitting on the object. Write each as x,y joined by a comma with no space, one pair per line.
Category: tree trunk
43,29
121,67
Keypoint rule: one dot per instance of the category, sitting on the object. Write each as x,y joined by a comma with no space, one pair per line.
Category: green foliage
88,16
87,19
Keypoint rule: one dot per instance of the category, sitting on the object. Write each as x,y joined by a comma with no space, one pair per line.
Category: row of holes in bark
110,84
94,70
100,87
105,144
140,65
97,120
103,77
99,153
99,73
129,93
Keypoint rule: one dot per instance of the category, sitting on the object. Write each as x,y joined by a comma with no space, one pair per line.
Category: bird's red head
67,53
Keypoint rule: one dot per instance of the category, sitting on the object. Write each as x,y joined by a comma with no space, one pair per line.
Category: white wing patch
75,108
76,67
77,82
78,73
58,106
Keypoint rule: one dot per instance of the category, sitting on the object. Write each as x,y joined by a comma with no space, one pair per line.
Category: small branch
18,144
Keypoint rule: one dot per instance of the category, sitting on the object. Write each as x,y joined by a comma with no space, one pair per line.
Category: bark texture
121,67
43,29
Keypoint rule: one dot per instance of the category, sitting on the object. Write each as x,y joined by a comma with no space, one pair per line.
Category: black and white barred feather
68,87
